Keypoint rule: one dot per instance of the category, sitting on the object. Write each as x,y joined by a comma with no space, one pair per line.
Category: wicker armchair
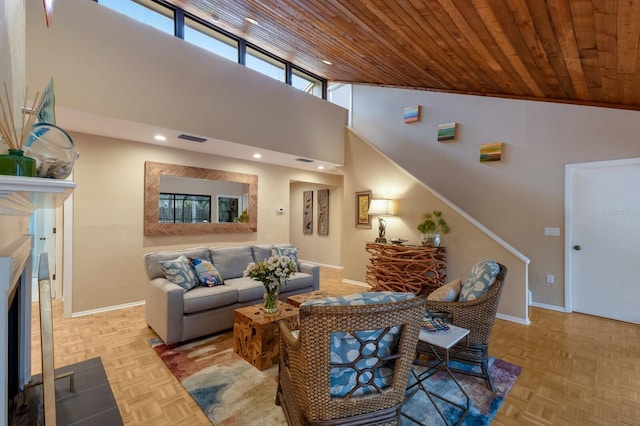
308,390
478,316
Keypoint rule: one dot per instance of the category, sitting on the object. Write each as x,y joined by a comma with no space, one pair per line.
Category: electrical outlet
550,279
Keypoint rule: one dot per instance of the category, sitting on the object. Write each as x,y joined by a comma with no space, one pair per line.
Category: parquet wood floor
578,369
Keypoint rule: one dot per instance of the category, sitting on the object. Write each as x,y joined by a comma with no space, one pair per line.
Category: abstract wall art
307,212
411,114
446,132
491,152
323,212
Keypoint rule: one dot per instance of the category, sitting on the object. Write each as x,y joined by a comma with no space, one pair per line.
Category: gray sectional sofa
177,315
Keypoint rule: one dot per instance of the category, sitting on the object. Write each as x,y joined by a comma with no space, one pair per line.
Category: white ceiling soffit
94,124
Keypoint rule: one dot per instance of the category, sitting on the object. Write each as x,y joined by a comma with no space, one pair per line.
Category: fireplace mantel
19,196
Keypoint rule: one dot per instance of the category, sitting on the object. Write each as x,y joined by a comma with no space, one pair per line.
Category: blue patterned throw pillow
480,279
292,252
346,347
207,274
180,272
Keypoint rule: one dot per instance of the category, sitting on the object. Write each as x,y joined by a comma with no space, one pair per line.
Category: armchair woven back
478,316
304,388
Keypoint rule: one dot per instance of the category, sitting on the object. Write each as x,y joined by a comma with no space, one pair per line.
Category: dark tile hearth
92,403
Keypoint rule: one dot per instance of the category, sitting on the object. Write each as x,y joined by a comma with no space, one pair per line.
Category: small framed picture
363,220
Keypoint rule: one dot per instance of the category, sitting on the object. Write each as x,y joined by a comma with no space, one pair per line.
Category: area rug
231,391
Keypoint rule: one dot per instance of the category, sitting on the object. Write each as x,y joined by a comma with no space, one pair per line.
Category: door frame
570,170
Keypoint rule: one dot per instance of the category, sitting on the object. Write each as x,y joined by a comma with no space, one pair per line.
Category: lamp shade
381,207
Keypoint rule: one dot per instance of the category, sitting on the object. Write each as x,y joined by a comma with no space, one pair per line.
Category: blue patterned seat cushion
369,348
480,279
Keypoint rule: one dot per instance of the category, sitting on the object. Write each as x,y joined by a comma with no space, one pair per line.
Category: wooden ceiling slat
506,35
582,51
564,53
475,30
404,21
583,21
605,21
437,26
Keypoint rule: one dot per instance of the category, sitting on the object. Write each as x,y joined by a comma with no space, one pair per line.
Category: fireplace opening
13,349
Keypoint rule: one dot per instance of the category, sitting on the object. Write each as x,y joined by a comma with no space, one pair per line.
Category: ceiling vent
191,138
304,160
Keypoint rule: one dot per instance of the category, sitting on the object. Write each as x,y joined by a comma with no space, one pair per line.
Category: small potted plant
432,225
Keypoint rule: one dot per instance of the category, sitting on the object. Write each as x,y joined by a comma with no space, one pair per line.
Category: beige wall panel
366,169
517,197
323,249
108,64
109,243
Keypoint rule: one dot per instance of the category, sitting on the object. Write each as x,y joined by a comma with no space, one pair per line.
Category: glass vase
431,240
16,164
53,150
270,303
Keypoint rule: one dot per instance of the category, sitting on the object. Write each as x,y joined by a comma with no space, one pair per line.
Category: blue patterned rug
231,391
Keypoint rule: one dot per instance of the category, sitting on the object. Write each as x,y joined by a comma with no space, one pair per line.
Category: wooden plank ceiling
576,51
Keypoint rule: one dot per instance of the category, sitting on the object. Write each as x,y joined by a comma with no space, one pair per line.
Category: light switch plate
552,232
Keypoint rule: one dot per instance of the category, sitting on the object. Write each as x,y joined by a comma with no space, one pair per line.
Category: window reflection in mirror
182,200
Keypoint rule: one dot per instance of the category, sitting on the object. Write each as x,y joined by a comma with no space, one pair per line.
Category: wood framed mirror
199,182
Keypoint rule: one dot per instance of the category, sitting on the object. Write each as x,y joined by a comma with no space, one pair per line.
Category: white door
42,224
603,224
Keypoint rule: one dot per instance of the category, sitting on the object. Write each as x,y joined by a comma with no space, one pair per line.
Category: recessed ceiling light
324,61
320,167
160,138
253,21
257,155
214,17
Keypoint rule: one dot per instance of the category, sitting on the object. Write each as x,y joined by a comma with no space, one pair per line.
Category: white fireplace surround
20,196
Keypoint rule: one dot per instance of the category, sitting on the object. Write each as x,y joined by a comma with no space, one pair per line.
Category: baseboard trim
324,265
517,320
107,309
360,283
550,307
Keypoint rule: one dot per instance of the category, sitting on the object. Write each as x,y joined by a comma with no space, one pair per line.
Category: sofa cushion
246,288
297,281
152,260
203,298
179,271
291,252
207,273
231,261
480,279
261,252
447,293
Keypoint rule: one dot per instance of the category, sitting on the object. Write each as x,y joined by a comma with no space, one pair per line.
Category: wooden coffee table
255,334
299,299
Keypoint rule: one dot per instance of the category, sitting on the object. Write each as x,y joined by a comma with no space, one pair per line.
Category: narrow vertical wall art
323,212
307,212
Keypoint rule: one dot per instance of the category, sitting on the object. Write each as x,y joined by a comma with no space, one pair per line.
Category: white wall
105,63
517,197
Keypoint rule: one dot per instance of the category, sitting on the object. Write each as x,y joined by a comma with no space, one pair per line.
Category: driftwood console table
414,269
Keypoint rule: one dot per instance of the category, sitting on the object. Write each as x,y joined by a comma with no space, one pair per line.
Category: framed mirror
185,191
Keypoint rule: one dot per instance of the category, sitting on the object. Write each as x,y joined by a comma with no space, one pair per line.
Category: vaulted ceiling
576,51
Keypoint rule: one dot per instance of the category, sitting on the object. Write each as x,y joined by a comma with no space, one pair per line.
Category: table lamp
381,207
